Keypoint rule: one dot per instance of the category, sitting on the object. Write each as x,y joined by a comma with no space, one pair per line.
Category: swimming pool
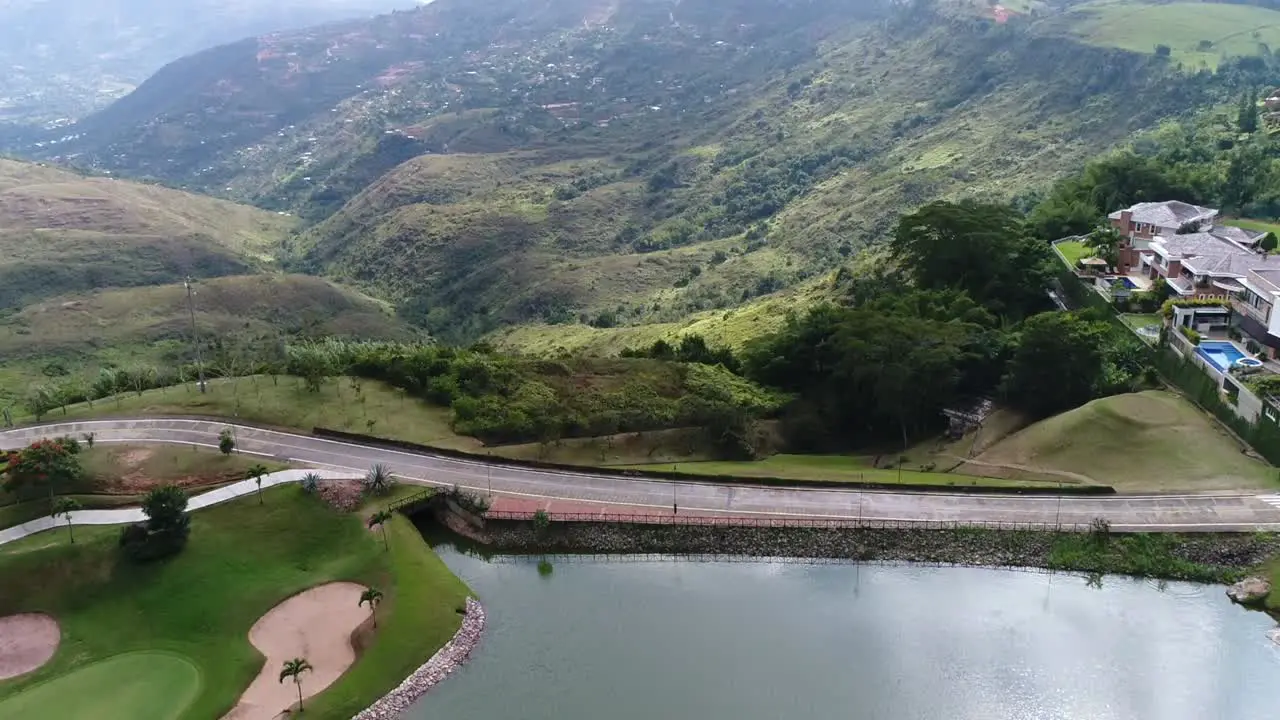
1221,355
1126,283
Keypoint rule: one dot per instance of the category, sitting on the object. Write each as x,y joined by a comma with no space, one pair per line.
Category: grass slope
64,232
1151,440
834,468
151,325
242,560
1198,34
283,402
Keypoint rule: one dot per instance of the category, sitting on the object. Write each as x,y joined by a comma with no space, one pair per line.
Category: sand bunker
27,641
316,625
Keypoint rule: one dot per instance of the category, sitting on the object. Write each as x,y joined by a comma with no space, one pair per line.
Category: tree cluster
165,531
47,466
963,315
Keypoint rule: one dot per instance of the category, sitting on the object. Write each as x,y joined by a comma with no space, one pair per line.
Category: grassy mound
243,559
1142,441
834,468
153,685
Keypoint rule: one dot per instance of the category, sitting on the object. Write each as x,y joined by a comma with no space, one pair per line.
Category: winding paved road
1204,512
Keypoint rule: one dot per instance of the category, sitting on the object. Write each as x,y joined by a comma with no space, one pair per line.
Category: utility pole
195,334
1058,520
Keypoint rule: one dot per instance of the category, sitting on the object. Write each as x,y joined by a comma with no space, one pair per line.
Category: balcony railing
1244,308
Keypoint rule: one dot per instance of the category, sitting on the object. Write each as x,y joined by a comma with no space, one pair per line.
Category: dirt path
27,641
315,624
1066,476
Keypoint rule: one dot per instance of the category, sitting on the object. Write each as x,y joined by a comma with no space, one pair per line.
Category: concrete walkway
121,516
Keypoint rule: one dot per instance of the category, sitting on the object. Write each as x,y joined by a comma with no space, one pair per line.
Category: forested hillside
616,163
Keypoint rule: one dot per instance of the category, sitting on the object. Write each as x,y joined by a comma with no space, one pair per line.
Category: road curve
1244,512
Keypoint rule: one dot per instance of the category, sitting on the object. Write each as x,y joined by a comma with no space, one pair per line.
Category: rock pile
1250,591
453,655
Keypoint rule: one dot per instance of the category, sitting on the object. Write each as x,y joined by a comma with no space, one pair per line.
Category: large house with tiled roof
1182,243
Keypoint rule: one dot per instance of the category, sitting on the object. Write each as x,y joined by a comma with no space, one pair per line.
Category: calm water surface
601,640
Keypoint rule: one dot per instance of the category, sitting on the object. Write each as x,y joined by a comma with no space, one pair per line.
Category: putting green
133,686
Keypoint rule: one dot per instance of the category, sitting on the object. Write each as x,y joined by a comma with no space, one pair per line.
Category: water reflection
591,639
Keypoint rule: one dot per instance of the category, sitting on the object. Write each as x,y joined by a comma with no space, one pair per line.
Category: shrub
310,483
469,501
1100,531
378,480
1253,347
226,441
1166,309
1191,335
541,521
166,530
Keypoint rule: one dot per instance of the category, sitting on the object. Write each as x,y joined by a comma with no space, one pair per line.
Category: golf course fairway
152,685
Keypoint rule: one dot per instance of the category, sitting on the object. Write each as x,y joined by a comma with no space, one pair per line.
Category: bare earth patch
27,641
315,624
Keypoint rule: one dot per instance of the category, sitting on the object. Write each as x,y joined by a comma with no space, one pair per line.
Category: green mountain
66,58
91,273
630,162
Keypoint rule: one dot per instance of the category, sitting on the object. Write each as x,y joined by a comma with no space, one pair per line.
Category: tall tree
868,373
1247,117
981,249
48,466
293,670
63,507
1058,363
255,473
373,596
1104,241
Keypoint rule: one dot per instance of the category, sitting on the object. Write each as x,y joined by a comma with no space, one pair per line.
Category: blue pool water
1126,282
1221,355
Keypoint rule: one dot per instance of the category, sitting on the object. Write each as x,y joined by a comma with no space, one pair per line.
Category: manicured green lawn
1073,251
142,685
1259,225
242,560
831,468
1139,320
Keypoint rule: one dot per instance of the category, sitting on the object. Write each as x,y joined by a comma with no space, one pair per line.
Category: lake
603,639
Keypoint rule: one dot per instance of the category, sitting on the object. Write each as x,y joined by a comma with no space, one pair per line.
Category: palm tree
373,596
294,669
380,519
65,506
256,472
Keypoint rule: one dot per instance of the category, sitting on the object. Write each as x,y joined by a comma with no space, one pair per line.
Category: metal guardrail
589,558
778,522
410,500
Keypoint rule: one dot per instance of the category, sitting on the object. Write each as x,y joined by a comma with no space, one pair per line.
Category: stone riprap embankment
448,658
989,548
